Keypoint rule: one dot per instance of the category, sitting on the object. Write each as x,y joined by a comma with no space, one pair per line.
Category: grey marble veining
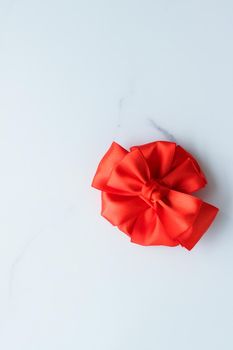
163,131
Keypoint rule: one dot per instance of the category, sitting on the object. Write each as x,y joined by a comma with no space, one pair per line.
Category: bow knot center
151,192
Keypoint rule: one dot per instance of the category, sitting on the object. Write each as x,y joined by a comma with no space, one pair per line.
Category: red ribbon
146,192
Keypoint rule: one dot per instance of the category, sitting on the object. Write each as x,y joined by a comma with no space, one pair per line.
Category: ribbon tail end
204,219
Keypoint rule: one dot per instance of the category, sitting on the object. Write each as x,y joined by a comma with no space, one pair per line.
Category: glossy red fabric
146,192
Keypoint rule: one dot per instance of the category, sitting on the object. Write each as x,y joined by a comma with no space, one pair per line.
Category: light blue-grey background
74,76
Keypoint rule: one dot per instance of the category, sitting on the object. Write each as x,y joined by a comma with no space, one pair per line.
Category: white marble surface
74,76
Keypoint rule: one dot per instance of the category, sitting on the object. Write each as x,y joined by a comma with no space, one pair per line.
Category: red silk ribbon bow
146,192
